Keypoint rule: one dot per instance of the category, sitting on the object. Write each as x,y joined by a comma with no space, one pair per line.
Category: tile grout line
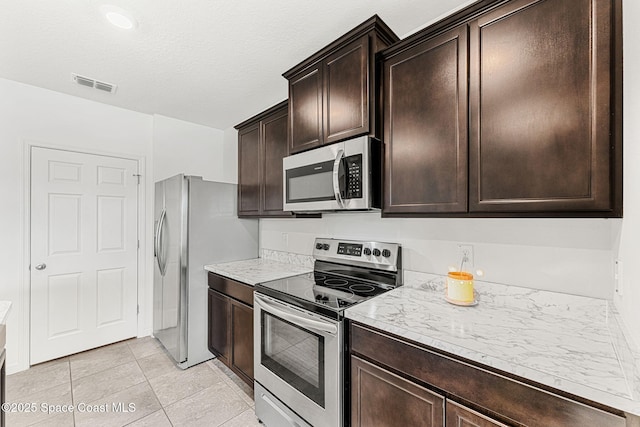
73,399
150,387
162,407
237,390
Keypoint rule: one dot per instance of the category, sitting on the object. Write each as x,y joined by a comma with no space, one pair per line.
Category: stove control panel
379,255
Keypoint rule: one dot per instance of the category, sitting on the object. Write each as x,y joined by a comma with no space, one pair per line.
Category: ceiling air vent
86,81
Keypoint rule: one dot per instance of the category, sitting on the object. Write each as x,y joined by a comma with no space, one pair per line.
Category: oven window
294,354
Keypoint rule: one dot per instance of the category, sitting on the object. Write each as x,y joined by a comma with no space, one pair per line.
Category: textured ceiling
211,62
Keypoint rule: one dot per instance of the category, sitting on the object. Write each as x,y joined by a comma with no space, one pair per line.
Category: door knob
41,266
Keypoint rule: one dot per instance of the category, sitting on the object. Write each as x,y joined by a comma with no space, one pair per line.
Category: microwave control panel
353,165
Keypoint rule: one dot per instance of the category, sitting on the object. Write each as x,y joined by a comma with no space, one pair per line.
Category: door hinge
138,243
137,175
138,308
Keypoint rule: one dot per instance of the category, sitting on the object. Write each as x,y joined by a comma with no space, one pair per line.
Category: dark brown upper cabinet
507,108
262,144
249,170
425,126
541,107
332,94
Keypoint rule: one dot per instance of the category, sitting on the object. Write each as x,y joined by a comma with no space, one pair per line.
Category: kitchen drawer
231,288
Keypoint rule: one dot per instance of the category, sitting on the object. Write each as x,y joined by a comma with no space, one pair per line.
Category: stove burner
335,282
362,288
319,277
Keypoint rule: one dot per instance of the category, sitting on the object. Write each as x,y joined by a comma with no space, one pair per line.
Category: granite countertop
5,308
257,270
571,343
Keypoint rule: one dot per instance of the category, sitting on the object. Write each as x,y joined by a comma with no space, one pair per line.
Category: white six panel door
83,252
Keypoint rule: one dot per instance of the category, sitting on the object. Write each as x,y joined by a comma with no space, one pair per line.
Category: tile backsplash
287,257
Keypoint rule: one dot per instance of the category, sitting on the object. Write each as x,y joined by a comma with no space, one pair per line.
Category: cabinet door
540,88
274,149
219,312
346,91
305,110
458,415
425,126
242,340
249,171
380,398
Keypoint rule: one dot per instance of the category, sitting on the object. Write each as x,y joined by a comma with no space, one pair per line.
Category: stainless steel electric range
298,330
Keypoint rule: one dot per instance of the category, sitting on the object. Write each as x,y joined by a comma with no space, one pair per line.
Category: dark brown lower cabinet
380,398
231,324
219,326
395,382
461,416
242,339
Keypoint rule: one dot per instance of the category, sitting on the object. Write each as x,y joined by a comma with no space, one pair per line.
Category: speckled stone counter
258,270
571,343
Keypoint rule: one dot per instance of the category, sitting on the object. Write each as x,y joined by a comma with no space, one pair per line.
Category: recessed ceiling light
118,17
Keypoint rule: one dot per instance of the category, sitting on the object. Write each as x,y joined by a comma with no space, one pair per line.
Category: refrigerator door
169,311
216,234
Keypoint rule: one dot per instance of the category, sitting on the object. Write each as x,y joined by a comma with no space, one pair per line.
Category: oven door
297,358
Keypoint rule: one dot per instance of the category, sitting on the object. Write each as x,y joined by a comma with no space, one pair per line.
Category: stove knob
325,246
367,251
318,246
376,252
386,253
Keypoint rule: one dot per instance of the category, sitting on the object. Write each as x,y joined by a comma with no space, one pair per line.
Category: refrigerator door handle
155,239
159,247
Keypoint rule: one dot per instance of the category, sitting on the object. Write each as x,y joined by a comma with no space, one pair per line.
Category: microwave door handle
316,325
336,182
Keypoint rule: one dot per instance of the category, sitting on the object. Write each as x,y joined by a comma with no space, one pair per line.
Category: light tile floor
130,383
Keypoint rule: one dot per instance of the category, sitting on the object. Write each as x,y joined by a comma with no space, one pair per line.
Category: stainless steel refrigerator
196,224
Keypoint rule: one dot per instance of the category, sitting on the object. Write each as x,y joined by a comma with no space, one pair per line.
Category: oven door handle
316,325
336,175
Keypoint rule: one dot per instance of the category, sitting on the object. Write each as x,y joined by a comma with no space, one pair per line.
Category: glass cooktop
326,290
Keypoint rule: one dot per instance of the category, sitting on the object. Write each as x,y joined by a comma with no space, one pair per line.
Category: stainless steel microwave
346,175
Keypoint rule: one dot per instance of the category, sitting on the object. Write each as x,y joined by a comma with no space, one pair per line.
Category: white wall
184,147
627,237
230,165
165,147
27,115
564,255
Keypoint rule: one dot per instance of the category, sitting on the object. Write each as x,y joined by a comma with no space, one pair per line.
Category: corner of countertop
5,309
